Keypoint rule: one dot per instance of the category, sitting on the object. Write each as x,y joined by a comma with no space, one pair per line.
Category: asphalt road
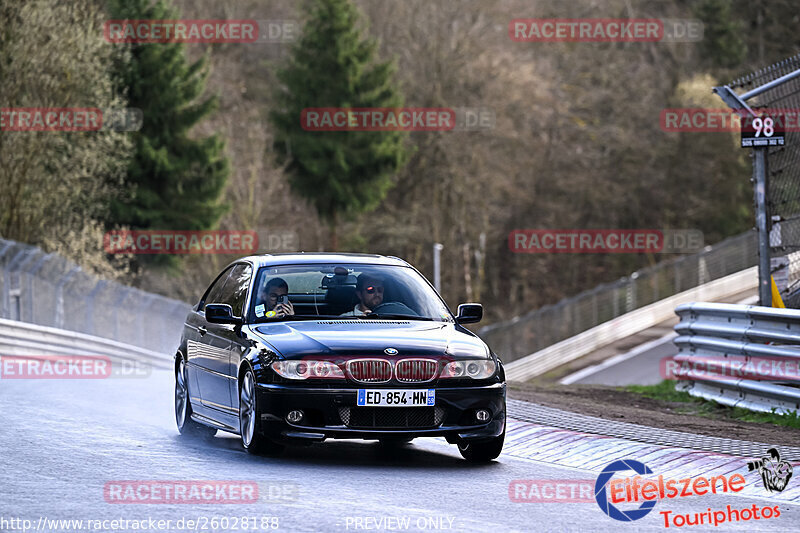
639,366
63,441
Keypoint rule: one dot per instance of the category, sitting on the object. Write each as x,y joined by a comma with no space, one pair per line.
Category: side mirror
469,313
222,314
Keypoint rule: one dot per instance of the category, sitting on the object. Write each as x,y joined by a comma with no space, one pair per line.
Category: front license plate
396,398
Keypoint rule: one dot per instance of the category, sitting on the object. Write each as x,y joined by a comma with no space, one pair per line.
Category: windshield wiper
395,316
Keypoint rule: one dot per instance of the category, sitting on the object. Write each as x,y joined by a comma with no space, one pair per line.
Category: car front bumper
331,413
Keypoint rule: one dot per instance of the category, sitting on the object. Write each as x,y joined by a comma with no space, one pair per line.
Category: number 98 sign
765,126
762,131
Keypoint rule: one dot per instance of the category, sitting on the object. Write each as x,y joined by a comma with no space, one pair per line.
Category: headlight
469,369
307,369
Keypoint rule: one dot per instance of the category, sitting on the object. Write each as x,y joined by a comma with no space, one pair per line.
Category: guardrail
724,336
21,339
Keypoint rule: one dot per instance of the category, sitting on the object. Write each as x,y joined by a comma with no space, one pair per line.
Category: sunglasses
372,290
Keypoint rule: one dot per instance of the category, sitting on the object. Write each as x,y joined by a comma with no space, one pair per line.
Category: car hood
360,338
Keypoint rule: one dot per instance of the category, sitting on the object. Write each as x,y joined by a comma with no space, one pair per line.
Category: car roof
305,258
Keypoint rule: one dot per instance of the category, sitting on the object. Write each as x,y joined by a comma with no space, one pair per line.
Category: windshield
300,292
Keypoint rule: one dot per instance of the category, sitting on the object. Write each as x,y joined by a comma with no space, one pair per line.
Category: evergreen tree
723,44
340,173
176,181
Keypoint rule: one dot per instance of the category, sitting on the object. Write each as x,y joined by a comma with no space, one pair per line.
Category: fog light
482,415
294,416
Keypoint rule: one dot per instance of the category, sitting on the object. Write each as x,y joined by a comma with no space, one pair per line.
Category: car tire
253,438
483,451
183,406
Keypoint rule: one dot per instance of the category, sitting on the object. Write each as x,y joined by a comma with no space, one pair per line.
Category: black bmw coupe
295,348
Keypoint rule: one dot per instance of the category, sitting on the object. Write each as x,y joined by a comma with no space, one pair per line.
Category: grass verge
665,392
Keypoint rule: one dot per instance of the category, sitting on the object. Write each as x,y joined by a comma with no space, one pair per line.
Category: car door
241,280
221,372
208,352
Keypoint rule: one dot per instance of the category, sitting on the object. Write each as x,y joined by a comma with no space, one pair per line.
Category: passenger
269,294
369,290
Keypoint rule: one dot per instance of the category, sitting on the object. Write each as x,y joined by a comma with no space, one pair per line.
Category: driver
369,290
269,294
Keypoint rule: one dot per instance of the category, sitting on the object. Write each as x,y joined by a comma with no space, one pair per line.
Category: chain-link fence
48,290
553,323
783,169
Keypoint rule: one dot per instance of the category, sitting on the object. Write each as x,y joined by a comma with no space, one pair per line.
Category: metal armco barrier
722,332
21,339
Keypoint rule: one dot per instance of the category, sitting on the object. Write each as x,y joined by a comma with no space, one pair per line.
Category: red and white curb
587,451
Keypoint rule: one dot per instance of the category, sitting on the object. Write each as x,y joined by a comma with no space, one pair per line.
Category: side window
235,291
212,295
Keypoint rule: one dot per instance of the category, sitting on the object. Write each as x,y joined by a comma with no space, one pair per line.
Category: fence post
630,303
437,269
90,327
31,274
4,304
702,271
14,291
654,279
59,318
760,177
